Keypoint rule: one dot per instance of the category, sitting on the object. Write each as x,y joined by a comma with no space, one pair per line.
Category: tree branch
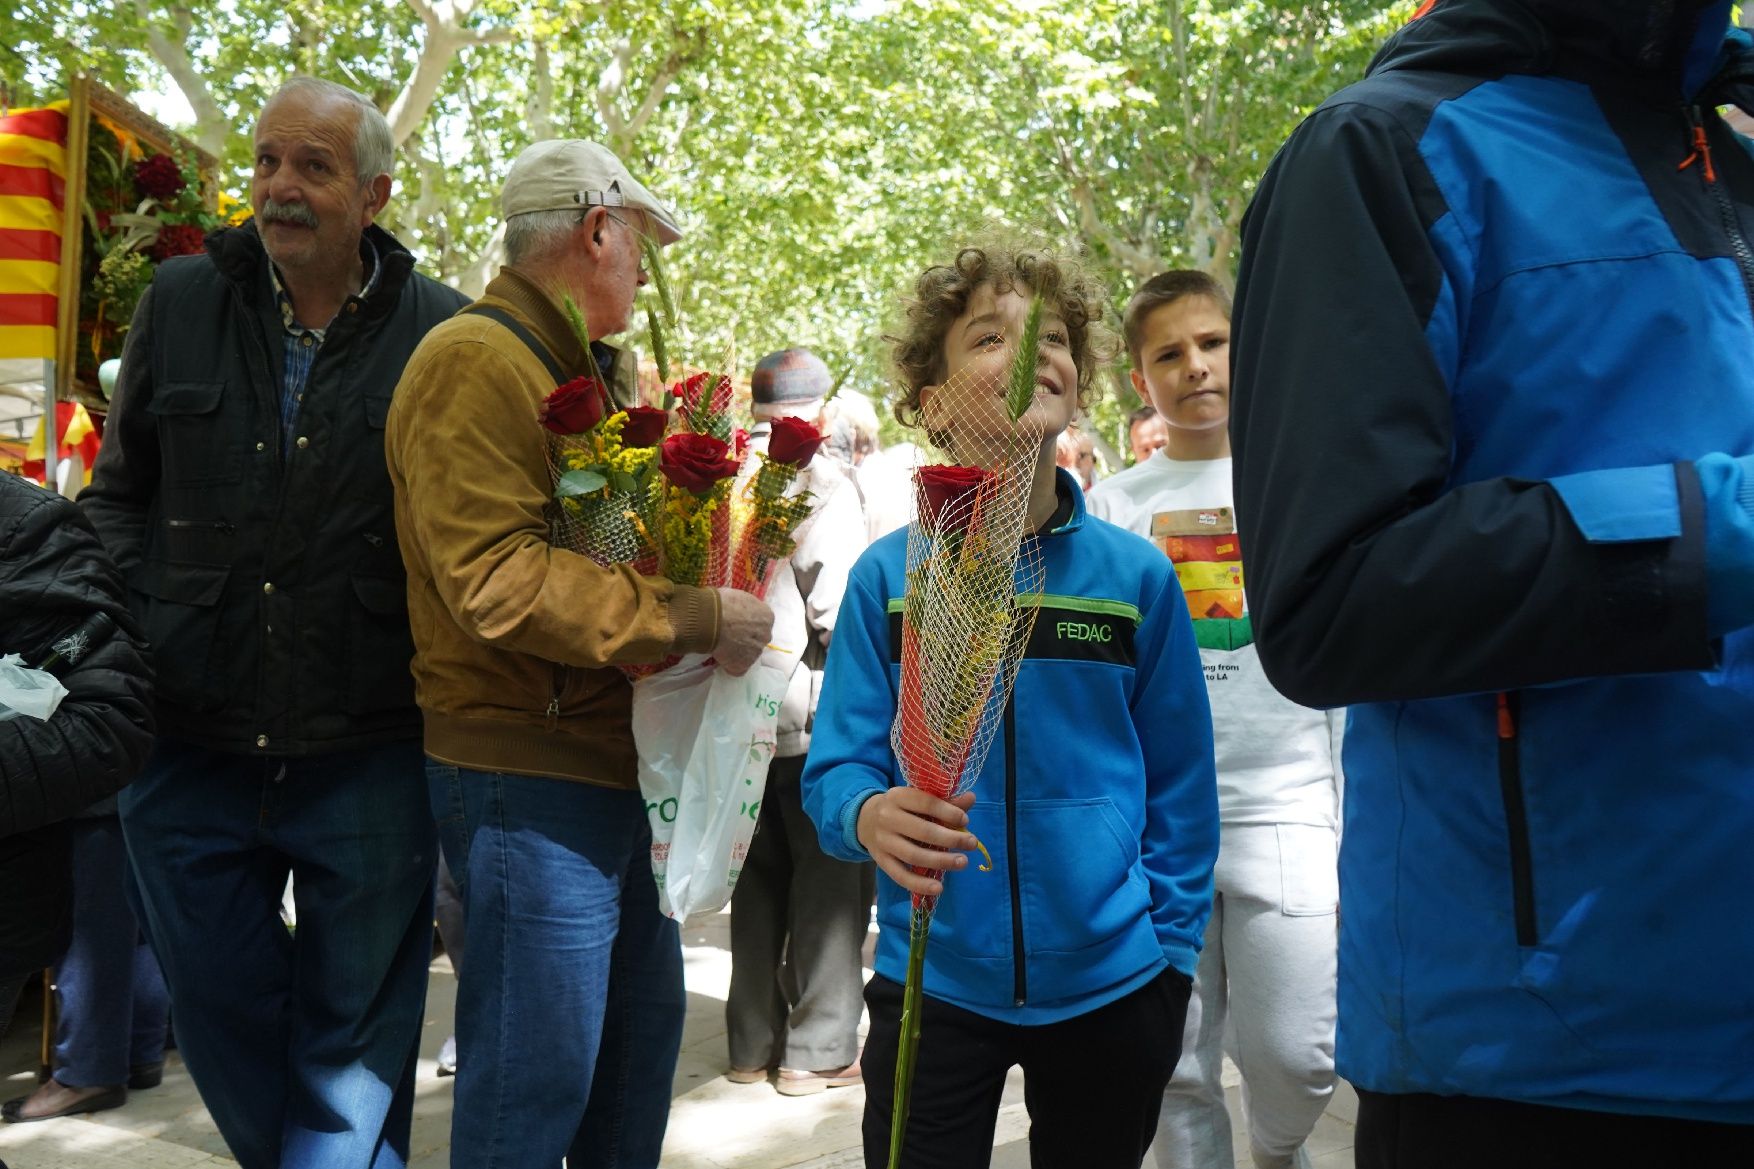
212,127
660,85
609,87
539,112
446,34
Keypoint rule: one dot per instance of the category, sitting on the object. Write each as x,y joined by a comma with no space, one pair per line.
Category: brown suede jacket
514,640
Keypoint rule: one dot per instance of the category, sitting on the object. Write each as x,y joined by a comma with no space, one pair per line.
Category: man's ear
377,198
592,224
1143,390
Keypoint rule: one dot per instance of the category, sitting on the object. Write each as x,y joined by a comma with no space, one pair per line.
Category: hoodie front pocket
1080,875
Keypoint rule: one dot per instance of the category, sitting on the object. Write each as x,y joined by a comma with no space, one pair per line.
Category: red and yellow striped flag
33,181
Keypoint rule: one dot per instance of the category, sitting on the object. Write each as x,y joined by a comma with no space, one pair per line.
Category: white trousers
1264,989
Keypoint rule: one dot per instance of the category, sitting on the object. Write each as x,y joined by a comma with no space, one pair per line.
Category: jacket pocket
381,651
1082,881
194,448
181,616
1309,870
377,411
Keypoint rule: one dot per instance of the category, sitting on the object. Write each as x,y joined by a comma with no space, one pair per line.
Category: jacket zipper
557,684
1516,818
225,526
1020,981
1726,210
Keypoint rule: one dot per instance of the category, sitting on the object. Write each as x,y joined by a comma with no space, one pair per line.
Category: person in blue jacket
1073,956
1493,417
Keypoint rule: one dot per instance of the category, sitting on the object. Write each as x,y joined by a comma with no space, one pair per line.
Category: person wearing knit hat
794,903
791,382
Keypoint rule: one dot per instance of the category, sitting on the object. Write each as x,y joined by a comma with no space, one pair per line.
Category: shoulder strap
523,334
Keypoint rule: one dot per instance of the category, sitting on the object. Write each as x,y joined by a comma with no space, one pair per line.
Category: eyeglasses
638,233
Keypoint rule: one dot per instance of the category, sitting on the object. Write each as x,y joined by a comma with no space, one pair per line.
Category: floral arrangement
141,209
655,489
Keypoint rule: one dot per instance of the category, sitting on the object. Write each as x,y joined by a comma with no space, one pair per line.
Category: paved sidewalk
715,1124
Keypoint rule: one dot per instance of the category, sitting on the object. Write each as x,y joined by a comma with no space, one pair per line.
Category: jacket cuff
849,824
694,619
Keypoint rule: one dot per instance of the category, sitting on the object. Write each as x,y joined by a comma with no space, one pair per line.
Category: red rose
794,441
947,495
645,426
695,462
178,239
158,177
688,392
574,407
740,443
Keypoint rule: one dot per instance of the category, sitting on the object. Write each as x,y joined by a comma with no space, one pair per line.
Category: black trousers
1417,1131
1093,1085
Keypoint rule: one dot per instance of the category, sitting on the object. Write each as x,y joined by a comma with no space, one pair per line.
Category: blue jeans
303,1047
570,1007
113,999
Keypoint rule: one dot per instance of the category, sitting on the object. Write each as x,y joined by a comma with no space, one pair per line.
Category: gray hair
535,234
374,149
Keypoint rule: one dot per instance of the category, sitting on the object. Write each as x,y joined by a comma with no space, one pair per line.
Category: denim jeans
570,1007
303,1046
113,1001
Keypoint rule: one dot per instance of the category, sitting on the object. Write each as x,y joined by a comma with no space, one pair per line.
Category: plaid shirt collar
368,252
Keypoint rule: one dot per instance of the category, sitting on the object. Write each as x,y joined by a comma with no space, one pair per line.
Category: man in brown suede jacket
569,1012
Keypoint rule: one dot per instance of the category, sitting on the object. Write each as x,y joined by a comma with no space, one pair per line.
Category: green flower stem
908,1050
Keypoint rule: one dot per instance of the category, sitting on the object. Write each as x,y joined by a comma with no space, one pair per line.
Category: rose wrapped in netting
602,461
772,511
973,571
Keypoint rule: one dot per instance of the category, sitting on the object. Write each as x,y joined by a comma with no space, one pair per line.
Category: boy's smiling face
979,351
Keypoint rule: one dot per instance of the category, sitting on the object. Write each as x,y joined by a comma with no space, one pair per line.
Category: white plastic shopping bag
704,740
24,691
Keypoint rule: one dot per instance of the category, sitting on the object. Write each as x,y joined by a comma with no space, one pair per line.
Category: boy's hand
904,827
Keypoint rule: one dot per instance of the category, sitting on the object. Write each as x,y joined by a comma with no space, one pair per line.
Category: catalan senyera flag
33,183
77,436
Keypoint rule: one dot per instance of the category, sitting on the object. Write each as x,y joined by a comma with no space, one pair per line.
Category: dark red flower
645,426
740,443
157,176
695,462
574,407
947,495
688,391
178,239
794,441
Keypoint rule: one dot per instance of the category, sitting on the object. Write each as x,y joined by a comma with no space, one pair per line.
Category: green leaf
1024,365
579,483
622,481
654,258
660,351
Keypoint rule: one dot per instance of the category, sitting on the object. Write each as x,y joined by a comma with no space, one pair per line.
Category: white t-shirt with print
1277,761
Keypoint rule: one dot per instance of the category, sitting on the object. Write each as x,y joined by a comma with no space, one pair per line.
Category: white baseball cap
564,174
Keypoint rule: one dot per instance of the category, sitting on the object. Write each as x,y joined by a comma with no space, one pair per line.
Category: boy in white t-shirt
1269,961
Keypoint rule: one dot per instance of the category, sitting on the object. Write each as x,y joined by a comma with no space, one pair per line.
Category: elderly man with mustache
243,491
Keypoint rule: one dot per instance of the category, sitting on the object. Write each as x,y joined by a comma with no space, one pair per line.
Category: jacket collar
545,316
1066,484
1664,50
238,254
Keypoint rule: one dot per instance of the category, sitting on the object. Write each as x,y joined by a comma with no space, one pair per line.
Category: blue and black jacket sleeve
1373,577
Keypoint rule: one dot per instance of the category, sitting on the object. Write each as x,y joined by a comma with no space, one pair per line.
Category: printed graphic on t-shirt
1203,546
